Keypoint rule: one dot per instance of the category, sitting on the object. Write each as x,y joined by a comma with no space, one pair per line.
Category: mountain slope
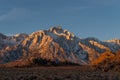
107,62
53,46
56,45
10,48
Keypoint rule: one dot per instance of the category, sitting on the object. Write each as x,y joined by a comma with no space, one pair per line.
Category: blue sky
85,18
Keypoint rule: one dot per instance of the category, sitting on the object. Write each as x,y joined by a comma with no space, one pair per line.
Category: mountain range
54,46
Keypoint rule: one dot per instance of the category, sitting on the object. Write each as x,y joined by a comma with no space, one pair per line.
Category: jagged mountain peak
55,32
57,29
55,45
60,32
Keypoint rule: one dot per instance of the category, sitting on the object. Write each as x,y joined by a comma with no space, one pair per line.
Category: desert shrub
45,62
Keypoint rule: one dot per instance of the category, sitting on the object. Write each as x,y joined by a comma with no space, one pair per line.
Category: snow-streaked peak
55,32
115,40
55,44
60,32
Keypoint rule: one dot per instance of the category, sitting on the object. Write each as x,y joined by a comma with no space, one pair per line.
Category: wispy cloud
80,8
14,14
4,16
76,8
103,2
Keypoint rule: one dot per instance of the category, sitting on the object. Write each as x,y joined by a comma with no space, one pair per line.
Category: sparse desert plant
56,73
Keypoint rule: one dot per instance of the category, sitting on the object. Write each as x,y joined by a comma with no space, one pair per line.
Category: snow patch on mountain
56,45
